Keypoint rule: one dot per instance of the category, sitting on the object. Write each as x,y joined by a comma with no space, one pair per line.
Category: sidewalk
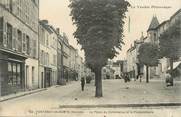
25,93
20,94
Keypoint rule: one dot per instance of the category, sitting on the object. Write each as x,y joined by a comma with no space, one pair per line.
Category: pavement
119,98
20,94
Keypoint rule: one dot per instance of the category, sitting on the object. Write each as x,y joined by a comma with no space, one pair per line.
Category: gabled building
154,31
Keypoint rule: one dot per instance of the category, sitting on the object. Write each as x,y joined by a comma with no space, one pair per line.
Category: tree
99,31
170,42
149,56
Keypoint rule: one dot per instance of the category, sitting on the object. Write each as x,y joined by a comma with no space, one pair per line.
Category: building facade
72,63
153,33
19,32
47,54
66,58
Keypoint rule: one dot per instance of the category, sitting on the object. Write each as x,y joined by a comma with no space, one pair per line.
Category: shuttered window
24,43
5,34
19,41
9,35
14,39
28,45
1,30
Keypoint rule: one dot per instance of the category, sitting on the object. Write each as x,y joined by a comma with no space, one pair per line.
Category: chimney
44,22
58,30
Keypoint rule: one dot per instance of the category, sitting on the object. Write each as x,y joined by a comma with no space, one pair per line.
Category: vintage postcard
90,58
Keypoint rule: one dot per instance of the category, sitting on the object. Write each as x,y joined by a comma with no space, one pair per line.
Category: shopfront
48,77
12,74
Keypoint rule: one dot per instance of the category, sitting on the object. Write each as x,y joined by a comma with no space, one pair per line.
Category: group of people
169,80
127,78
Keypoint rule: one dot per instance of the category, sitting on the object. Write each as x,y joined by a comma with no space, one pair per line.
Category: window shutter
30,47
14,38
5,34
1,30
23,43
34,46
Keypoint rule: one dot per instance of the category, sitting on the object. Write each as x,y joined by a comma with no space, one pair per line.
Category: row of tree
169,47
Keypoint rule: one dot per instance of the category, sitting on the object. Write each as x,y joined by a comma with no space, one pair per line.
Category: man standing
82,83
169,79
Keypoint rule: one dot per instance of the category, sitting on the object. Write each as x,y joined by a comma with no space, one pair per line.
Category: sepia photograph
90,58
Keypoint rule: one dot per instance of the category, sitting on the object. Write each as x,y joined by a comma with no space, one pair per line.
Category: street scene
86,58
72,97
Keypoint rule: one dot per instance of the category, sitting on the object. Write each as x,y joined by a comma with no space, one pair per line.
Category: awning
176,64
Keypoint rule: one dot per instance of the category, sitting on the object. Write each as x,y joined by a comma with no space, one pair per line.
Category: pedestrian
82,83
140,77
169,79
126,78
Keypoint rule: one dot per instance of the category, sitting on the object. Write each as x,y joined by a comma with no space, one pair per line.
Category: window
1,30
19,41
14,73
11,5
34,48
9,35
47,59
47,43
54,59
24,43
14,38
10,74
28,45
41,57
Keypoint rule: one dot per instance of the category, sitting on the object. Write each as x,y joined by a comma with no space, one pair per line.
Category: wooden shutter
23,43
1,30
5,34
14,38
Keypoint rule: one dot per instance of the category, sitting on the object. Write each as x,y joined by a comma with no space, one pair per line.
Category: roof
44,24
163,23
175,14
154,23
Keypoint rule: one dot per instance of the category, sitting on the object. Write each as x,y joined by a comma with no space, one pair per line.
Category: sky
141,13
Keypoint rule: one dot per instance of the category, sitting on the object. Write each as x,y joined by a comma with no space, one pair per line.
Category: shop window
10,74
18,74
14,74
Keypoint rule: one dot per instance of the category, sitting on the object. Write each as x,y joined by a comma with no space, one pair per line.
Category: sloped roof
154,23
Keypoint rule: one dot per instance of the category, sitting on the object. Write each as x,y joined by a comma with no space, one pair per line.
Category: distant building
66,57
153,33
72,63
47,54
60,78
134,68
78,66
